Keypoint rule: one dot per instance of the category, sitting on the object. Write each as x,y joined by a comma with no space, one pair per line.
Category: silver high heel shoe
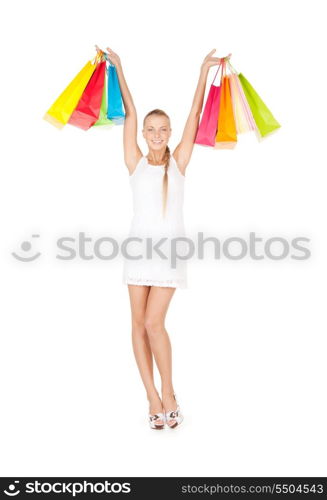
156,420
153,421
174,417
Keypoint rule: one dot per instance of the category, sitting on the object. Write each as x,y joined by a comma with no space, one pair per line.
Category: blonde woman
157,181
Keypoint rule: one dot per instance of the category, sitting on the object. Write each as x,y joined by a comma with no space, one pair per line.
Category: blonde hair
160,112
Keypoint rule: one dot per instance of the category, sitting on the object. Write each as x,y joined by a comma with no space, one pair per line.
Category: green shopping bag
263,117
103,120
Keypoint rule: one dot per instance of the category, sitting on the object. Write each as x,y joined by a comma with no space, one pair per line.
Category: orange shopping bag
226,137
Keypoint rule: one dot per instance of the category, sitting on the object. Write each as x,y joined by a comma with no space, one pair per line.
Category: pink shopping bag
207,129
243,115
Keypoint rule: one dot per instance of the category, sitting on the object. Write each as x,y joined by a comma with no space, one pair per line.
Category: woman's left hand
210,61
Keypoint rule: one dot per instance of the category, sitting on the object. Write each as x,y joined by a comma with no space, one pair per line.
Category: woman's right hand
209,60
113,57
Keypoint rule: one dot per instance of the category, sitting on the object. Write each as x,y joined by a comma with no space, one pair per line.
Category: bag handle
232,69
100,56
222,64
104,55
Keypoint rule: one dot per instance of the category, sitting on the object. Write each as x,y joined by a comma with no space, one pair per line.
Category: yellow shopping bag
61,110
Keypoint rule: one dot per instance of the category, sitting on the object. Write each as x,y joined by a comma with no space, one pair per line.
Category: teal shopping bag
115,103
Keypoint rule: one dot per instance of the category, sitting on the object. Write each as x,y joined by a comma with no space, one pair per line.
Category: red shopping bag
207,129
87,110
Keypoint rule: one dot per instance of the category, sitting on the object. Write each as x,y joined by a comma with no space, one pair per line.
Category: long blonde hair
160,112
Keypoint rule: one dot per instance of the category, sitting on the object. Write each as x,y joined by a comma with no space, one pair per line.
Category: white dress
163,267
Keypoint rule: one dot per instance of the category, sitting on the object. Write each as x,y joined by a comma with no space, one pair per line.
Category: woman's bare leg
156,310
141,346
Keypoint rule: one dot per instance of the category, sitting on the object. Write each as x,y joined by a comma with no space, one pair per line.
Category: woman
157,181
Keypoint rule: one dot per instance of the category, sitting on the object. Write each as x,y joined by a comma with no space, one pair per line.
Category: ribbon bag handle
100,56
232,69
222,64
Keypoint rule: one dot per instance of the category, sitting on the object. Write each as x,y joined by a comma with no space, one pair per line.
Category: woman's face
157,132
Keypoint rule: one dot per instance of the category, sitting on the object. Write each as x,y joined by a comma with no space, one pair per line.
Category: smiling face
157,132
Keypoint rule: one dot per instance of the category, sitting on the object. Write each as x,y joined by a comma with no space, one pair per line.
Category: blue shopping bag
115,103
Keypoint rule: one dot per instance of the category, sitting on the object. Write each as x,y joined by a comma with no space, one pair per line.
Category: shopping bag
103,120
264,119
207,129
61,110
115,103
244,120
226,137
87,110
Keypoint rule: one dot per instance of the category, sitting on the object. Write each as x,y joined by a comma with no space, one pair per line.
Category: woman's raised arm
183,151
132,152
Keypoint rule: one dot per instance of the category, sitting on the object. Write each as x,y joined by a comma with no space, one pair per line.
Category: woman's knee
153,325
138,326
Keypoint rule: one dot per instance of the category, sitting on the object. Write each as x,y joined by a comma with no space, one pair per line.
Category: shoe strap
157,416
173,413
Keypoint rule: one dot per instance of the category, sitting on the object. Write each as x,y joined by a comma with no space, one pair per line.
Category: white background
248,337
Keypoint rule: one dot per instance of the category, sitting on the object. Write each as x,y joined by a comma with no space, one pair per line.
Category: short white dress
155,249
